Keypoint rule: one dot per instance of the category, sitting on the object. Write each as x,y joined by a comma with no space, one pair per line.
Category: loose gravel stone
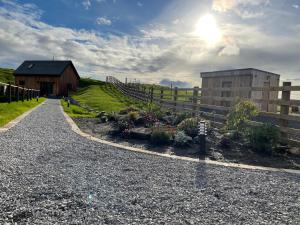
50,175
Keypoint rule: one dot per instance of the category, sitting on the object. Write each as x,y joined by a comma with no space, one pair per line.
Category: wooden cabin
52,78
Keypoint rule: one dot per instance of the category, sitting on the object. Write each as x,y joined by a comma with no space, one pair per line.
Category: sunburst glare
208,30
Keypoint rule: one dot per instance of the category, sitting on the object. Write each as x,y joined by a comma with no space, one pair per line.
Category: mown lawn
9,111
102,96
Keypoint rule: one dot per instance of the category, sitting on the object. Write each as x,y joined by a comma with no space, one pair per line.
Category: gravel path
48,175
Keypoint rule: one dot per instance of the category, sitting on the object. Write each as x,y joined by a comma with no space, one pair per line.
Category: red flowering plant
150,119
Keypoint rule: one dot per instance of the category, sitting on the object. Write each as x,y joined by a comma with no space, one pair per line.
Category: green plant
133,116
181,116
160,136
181,139
189,126
123,125
263,138
128,110
152,108
240,115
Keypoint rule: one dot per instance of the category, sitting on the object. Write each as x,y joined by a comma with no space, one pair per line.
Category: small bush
155,110
150,119
128,110
189,126
123,125
160,137
240,115
180,117
181,139
264,138
133,116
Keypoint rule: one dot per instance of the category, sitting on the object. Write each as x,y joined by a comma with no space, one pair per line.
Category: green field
100,96
9,111
6,75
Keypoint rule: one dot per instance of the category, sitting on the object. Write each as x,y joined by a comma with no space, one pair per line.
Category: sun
208,30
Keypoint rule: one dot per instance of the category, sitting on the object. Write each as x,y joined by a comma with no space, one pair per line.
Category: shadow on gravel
201,174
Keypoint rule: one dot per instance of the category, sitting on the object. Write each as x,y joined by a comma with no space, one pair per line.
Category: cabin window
22,82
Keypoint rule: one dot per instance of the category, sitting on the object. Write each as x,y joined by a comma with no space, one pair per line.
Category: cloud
103,21
139,4
175,83
86,4
243,8
157,52
226,5
247,14
296,6
176,21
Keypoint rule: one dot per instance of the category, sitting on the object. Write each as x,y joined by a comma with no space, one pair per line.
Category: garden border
18,119
77,130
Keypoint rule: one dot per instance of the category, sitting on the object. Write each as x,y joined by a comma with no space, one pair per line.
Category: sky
154,41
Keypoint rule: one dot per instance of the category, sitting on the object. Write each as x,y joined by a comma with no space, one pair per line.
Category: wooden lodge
52,78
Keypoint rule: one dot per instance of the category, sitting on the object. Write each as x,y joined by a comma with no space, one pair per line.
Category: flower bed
172,133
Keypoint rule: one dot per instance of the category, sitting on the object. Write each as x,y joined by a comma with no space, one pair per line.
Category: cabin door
46,88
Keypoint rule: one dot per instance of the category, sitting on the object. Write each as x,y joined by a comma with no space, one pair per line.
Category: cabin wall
68,78
34,81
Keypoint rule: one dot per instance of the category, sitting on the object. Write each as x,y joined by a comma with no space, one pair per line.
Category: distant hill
6,75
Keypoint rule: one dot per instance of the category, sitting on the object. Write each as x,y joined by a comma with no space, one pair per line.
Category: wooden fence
189,100
9,93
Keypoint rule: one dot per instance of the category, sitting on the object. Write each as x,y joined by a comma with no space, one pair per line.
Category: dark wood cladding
60,82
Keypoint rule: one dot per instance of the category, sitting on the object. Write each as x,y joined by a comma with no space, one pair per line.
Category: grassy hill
6,75
100,96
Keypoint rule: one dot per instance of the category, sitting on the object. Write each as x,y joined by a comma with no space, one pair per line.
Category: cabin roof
44,67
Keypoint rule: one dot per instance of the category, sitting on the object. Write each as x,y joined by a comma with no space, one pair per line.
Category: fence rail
189,100
9,93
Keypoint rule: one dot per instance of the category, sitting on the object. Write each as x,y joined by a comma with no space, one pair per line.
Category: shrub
123,125
181,139
160,136
133,116
264,138
150,119
154,109
240,115
125,133
103,116
181,116
189,126
128,110
112,116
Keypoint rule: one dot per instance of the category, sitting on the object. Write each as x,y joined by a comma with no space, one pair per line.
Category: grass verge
75,111
9,111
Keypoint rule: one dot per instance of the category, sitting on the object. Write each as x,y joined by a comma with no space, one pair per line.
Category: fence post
161,96
284,109
23,93
27,94
195,99
151,94
9,92
175,97
18,94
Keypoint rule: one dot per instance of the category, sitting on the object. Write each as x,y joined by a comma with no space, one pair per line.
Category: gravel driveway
48,175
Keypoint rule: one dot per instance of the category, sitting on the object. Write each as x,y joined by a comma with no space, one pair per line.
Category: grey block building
232,80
